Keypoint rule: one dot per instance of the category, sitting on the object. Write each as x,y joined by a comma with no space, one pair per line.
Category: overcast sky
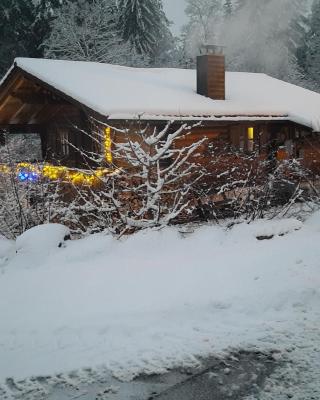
175,12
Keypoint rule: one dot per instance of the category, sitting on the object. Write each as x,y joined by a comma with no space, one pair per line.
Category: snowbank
156,299
268,228
6,249
42,238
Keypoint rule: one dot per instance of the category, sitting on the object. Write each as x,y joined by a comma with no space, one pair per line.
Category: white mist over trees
312,54
277,37
257,38
205,16
267,36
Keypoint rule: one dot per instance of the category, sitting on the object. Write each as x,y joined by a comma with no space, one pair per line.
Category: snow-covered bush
155,177
152,184
26,200
159,178
246,185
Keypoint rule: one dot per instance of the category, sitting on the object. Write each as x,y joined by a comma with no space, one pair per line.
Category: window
64,141
250,139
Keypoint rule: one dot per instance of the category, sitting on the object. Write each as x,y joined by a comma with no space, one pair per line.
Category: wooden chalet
60,101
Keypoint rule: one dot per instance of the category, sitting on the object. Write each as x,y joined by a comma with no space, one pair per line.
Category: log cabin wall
133,128
65,138
278,140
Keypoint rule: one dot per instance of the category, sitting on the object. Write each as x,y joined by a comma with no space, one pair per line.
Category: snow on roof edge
35,68
149,117
6,75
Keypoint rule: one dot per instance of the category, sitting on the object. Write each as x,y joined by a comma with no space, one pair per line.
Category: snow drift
154,300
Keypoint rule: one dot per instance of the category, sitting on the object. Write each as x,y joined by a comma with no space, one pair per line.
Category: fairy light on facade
27,172
25,175
108,145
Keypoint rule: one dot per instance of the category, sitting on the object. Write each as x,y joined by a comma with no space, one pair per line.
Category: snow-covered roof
124,93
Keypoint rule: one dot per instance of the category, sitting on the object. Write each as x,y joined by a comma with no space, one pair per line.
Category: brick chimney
211,72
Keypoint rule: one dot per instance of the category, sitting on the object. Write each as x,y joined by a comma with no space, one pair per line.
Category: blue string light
25,175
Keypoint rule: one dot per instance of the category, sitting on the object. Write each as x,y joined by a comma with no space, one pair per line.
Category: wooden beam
50,111
34,98
16,83
34,116
14,116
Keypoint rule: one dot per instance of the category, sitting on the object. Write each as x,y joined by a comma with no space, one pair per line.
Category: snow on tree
313,45
16,37
153,177
145,26
298,33
228,8
45,12
88,31
26,200
152,183
161,176
165,174
240,4
24,25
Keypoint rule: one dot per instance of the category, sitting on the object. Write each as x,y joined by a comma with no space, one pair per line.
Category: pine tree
24,25
88,31
16,36
313,45
240,4
45,13
298,33
144,25
228,8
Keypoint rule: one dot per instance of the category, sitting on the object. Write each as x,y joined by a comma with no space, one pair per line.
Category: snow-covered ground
158,299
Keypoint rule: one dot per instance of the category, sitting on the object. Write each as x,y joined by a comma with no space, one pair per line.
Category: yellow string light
77,177
108,145
64,174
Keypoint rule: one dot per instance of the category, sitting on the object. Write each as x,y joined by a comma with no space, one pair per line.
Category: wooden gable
23,101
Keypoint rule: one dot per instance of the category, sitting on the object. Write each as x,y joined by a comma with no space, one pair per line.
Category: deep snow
157,299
